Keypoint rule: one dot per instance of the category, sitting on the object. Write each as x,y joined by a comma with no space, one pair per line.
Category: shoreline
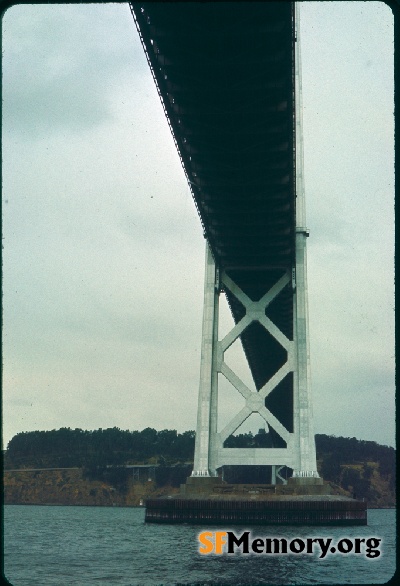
71,487
125,506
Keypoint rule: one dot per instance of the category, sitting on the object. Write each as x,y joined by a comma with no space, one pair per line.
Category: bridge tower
229,81
297,448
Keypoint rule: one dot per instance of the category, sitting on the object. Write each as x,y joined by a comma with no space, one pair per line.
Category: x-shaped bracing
255,401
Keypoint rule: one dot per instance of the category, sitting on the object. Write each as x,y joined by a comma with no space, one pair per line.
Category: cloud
65,85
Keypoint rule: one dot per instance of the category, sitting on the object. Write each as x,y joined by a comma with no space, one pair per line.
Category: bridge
228,75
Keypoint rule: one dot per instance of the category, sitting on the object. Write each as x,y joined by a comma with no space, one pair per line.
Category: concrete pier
211,501
267,510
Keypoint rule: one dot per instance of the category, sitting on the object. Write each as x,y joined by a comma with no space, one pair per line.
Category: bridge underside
225,74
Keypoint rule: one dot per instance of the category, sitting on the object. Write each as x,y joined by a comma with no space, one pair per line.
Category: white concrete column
303,415
208,399
213,448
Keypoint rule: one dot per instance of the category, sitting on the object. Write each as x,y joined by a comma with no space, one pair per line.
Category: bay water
88,546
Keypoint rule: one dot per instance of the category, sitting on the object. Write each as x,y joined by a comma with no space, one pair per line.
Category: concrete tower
299,453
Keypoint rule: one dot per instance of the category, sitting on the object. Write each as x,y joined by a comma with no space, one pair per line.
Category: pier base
280,511
213,502
196,487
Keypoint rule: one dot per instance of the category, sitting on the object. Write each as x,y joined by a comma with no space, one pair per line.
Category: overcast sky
103,250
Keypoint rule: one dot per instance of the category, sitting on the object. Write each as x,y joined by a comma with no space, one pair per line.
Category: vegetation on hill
363,468
67,447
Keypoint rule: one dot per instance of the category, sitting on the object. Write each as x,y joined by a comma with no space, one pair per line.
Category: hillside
88,466
70,486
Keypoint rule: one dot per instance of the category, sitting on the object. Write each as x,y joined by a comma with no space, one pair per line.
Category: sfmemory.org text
227,542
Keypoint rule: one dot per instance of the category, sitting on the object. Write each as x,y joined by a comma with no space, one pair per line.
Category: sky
103,252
